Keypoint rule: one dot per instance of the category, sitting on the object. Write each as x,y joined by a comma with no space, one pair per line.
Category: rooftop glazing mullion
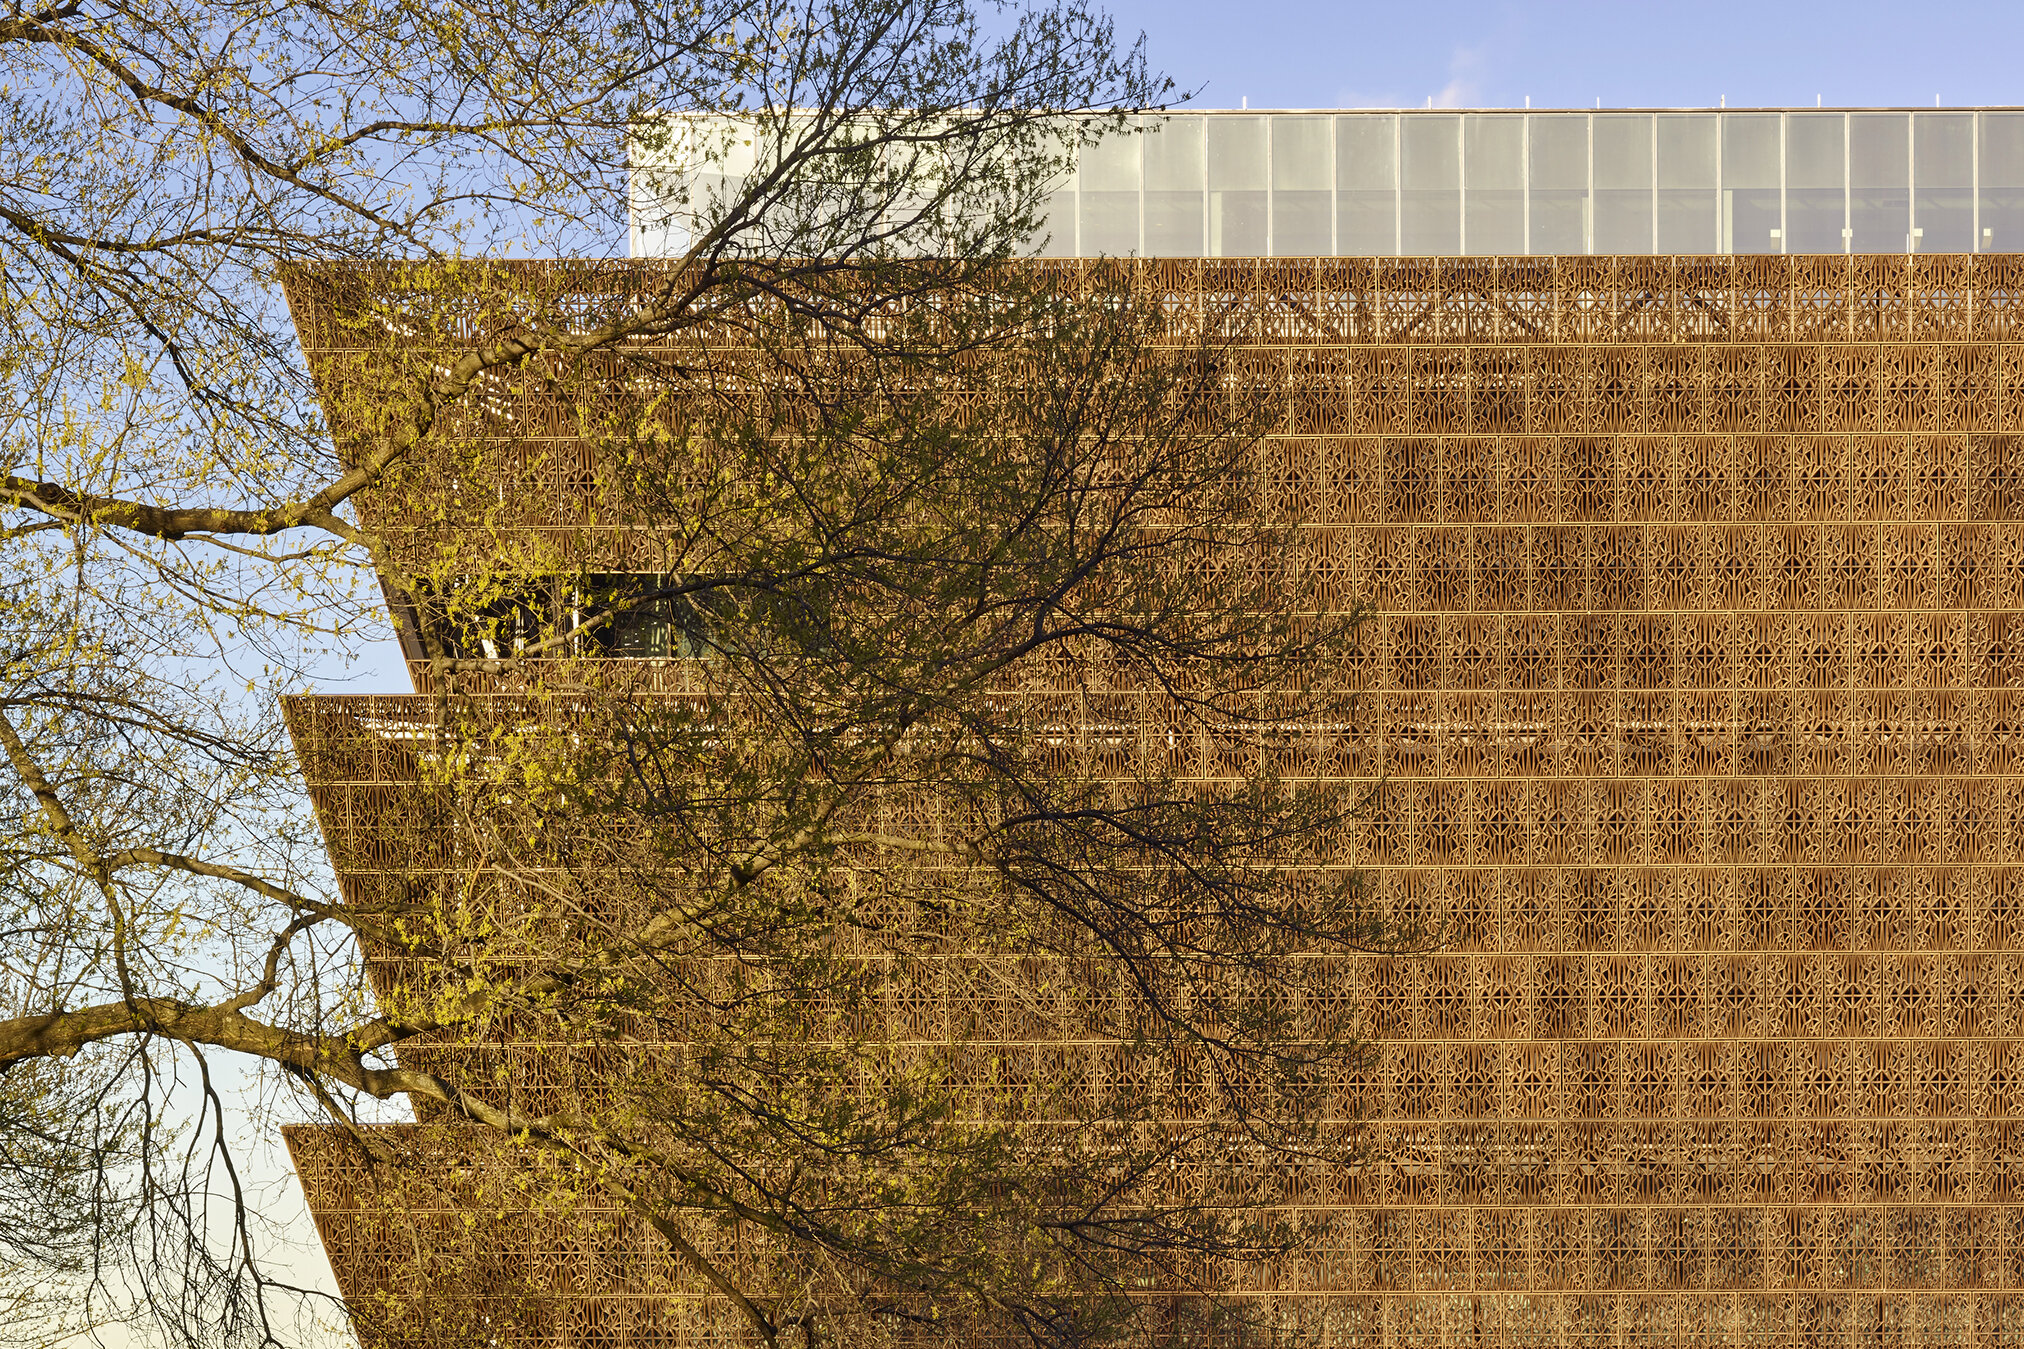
1501,183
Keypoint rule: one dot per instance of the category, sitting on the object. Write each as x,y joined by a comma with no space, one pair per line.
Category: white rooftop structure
1446,183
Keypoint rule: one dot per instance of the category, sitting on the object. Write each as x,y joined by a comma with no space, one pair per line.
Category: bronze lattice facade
1695,690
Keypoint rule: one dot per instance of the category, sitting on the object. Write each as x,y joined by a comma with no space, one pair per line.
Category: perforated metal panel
1696,690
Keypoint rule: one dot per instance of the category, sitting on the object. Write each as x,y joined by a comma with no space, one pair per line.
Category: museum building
1679,456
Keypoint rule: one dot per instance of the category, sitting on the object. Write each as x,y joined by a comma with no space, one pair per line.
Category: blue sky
1314,54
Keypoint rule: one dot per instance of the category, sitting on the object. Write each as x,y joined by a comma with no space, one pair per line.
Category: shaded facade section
1695,688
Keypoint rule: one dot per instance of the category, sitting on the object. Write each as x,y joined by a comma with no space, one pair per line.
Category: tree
906,501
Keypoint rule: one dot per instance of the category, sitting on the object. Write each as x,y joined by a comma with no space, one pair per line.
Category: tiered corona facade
1694,694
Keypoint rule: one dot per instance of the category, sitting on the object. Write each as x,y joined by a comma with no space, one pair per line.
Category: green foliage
868,619
965,879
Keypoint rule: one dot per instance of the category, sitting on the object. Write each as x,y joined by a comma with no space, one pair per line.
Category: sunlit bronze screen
1696,687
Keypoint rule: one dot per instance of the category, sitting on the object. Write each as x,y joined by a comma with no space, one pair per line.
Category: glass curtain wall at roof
1302,184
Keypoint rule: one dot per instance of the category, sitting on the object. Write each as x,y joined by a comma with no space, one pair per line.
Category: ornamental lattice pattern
1696,691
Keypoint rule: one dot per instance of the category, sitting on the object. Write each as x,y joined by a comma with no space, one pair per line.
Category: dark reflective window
1879,182
555,618
661,617
642,624
1431,172
505,624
